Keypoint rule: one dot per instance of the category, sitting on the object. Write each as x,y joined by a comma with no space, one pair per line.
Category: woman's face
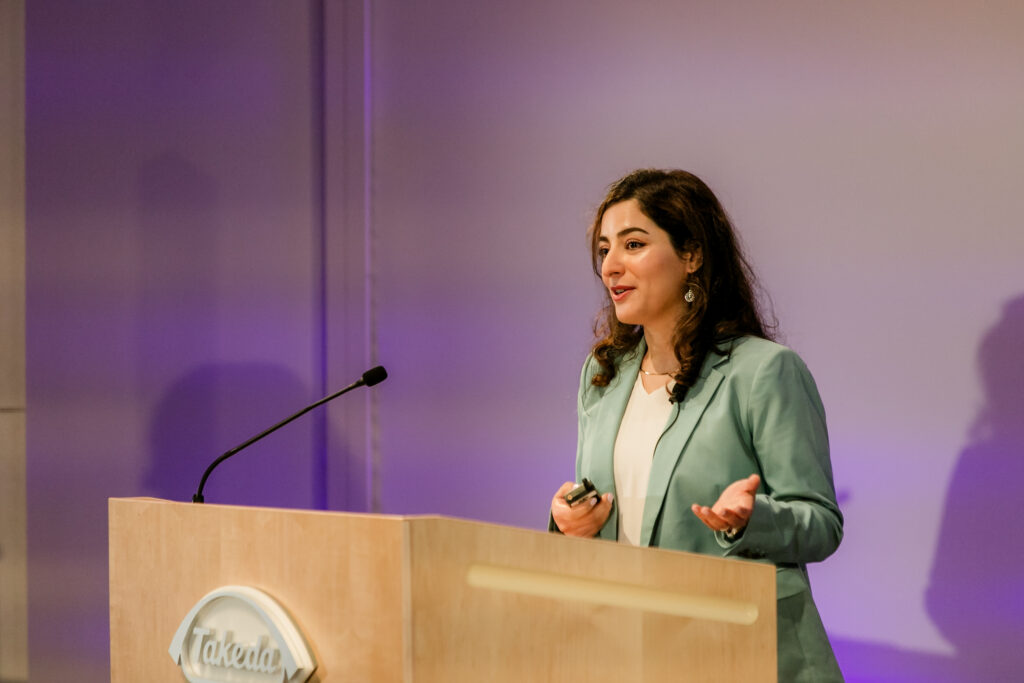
644,274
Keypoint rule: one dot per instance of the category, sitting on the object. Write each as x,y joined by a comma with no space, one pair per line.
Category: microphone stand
369,378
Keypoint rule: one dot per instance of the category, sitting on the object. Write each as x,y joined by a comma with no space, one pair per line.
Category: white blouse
642,425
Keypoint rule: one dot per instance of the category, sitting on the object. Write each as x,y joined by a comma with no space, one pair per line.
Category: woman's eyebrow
623,233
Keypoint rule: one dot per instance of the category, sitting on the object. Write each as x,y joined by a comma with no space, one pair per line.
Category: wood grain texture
338,575
12,205
466,633
386,598
13,550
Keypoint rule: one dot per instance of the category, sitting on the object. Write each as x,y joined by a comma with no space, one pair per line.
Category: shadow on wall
976,593
213,408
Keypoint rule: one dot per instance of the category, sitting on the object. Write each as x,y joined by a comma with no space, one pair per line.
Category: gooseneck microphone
370,377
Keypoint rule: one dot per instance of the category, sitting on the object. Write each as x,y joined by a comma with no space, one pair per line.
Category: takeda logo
237,634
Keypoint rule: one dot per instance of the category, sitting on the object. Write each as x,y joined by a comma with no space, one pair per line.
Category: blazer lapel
681,423
608,417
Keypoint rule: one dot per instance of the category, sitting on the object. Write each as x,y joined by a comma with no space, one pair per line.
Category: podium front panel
429,599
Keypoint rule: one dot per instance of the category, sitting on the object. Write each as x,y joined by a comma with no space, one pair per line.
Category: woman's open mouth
620,293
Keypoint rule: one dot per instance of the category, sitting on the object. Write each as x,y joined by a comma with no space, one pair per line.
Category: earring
689,296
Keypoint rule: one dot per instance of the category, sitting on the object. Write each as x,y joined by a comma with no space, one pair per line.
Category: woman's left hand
732,510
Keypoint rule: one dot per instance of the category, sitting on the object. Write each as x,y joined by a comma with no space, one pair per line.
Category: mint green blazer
755,409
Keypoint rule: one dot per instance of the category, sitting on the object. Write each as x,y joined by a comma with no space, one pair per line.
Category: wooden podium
430,599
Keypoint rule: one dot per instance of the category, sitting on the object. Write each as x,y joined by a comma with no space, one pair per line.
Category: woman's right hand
585,519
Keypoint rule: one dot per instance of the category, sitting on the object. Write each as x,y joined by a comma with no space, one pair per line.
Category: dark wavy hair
725,306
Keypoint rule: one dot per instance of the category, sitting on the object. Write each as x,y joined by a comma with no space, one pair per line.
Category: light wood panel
338,575
13,550
13,553
583,641
387,598
12,205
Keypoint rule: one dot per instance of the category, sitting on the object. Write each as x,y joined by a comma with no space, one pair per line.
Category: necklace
651,373
657,374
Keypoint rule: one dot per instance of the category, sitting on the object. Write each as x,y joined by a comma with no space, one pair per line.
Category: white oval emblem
237,633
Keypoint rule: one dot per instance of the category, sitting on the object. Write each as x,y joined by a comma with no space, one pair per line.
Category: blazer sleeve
796,518
585,374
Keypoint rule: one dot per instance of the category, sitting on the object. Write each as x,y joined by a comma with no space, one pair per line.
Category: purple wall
173,279
233,207
868,156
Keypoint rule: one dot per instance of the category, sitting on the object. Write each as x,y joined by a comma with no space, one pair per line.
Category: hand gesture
585,519
732,510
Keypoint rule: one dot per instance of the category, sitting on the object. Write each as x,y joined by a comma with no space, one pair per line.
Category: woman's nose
611,265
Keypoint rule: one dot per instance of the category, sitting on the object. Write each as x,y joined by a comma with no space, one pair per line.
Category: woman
704,435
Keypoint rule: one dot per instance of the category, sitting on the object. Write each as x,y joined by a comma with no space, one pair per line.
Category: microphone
370,377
